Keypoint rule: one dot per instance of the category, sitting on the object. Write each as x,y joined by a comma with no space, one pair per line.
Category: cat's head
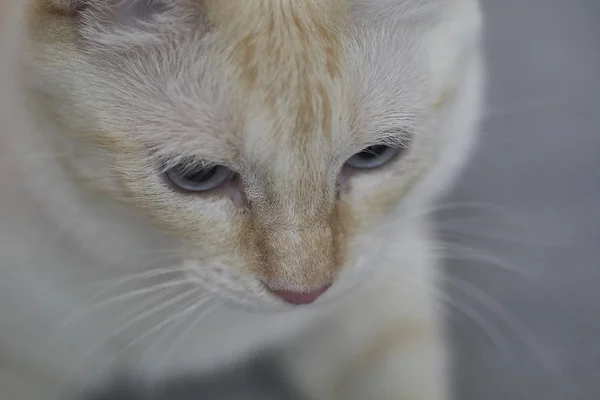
273,139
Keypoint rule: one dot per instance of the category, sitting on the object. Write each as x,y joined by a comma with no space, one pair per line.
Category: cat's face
271,138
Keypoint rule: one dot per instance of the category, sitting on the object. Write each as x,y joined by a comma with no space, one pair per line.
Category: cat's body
86,117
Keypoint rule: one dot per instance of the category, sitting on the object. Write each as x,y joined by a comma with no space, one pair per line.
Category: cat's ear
120,9
107,12
65,7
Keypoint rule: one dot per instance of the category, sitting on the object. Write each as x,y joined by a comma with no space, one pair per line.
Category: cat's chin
272,308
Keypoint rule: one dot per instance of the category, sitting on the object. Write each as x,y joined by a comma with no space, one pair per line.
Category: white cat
184,183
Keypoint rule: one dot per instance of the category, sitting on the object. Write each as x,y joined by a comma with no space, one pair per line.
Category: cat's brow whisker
528,105
509,140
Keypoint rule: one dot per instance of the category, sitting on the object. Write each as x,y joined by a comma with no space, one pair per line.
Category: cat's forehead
129,11
262,76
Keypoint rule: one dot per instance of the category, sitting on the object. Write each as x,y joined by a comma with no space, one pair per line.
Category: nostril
301,297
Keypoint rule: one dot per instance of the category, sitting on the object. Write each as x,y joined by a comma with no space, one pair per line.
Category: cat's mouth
299,298
254,294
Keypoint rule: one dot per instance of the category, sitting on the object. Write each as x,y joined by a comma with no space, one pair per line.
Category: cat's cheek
375,199
200,222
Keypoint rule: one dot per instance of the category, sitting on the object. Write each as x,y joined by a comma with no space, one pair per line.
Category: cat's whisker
131,312
508,236
184,332
189,308
89,306
453,251
135,277
85,311
429,212
467,310
499,311
481,261
456,251
120,329
173,326
144,270
161,339
493,333
138,277
504,212
135,293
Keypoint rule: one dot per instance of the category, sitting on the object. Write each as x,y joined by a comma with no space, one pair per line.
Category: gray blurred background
524,221
540,163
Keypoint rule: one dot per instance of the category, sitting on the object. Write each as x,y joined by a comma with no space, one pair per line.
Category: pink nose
299,297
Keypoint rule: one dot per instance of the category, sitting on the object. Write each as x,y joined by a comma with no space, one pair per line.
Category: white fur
60,240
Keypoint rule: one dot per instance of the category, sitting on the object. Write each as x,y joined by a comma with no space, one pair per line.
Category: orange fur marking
287,58
287,55
303,256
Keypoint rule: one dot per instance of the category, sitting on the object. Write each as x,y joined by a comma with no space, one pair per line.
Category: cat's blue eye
198,179
373,157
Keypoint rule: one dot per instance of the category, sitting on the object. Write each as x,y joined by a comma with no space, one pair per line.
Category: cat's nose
301,297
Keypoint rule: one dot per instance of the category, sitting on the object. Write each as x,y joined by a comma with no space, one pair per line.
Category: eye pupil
373,157
203,174
197,179
372,152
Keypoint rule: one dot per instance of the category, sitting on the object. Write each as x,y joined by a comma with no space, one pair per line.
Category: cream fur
95,101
